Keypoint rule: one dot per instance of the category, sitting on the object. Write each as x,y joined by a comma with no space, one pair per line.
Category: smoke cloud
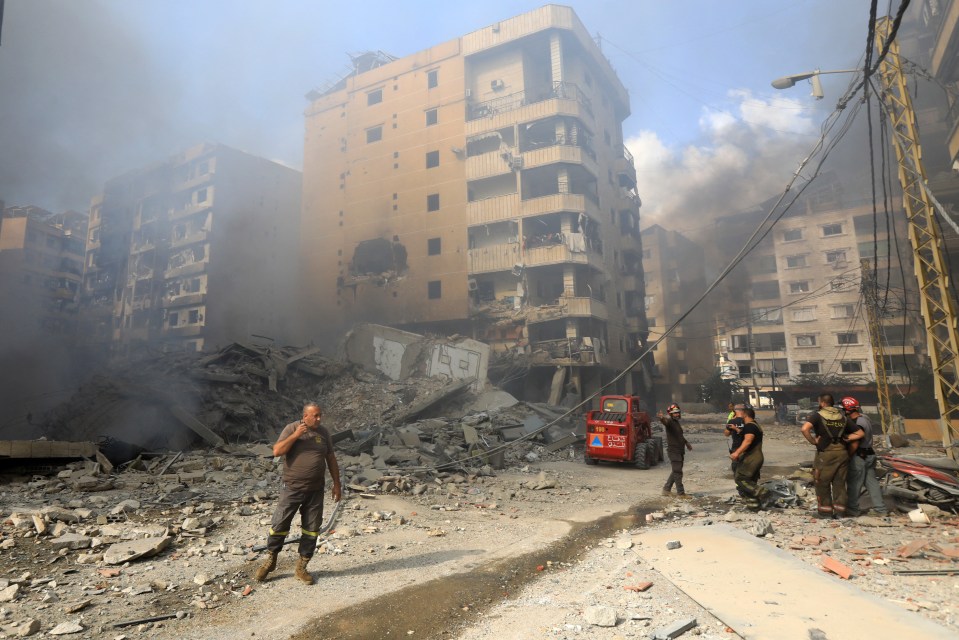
743,156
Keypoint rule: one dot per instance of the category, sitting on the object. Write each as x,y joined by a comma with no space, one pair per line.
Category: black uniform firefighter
307,451
748,458
675,441
832,433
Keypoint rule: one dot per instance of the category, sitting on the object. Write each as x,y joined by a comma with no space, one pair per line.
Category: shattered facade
193,252
482,187
675,271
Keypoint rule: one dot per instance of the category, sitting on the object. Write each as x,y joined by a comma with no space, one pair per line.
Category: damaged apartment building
192,253
795,309
482,187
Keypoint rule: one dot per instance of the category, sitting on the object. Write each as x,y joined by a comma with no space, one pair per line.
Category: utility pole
870,292
938,308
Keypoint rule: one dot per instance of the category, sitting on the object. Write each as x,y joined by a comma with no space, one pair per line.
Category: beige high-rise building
481,186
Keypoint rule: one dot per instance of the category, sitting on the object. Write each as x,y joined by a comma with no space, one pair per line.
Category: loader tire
651,457
588,459
641,455
658,446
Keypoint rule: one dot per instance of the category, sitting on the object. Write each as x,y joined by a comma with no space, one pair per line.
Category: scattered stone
841,570
28,628
65,628
760,527
135,549
673,544
600,616
9,594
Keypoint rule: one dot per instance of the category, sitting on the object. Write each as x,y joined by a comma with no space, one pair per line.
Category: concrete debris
760,527
673,544
135,549
65,628
674,630
600,616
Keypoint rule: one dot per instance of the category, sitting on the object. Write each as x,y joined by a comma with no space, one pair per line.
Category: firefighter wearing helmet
833,435
862,465
675,441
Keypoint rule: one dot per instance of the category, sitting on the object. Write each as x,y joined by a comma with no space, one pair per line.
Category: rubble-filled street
519,540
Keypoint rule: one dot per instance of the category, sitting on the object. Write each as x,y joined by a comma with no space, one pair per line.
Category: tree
719,389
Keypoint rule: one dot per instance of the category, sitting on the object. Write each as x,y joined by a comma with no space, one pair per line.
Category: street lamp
813,76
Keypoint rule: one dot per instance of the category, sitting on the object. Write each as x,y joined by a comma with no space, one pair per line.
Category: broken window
201,195
173,318
851,366
792,234
433,202
194,316
832,230
433,246
431,117
765,290
374,134
432,159
434,289
378,256
806,341
847,338
374,97
799,287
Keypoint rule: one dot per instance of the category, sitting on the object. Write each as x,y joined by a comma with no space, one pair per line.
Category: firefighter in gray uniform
307,451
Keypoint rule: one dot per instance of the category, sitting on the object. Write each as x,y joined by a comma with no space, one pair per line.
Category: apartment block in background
193,253
481,186
675,272
41,265
795,310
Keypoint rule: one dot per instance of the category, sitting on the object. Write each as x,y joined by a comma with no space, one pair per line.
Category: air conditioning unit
516,162
472,285
497,85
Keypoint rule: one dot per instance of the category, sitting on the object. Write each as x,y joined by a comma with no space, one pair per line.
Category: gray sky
92,88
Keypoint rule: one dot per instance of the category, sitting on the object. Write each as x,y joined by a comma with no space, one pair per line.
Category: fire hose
326,527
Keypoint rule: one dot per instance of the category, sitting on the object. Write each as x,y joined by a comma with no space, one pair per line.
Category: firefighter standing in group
862,464
834,436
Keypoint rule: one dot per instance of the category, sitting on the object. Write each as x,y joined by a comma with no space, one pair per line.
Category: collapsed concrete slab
400,354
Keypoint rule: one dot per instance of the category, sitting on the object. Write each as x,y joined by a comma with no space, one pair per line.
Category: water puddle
437,608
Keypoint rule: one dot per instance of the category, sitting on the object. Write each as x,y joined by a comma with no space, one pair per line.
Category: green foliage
718,391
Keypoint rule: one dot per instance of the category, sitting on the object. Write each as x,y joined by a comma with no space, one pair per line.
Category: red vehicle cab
621,432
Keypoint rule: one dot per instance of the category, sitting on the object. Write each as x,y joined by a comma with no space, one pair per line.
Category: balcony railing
513,101
568,307
500,257
566,351
495,209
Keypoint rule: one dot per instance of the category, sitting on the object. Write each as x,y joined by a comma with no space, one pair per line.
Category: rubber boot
301,571
268,565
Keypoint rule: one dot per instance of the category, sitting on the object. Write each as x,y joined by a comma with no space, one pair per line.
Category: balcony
184,299
185,331
564,99
143,248
570,307
487,165
189,210
564,352
553,203
559,254
195,236
564,153
626,169
497,209
500,257
188,269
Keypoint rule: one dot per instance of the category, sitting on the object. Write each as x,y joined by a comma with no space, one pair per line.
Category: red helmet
850,404
673,409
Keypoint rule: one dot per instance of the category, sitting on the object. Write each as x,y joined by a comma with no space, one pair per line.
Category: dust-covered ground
527,552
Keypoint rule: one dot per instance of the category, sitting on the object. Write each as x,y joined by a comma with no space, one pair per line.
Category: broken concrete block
673,544
10,593
71,541
600,616
760,527
56,514
28,628
125,507
39,525
65,628
135,549
674,630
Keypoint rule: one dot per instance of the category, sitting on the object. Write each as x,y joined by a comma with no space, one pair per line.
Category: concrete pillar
562,180
556,57
569,278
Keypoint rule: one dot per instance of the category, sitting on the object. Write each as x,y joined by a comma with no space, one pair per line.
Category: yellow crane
938,308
